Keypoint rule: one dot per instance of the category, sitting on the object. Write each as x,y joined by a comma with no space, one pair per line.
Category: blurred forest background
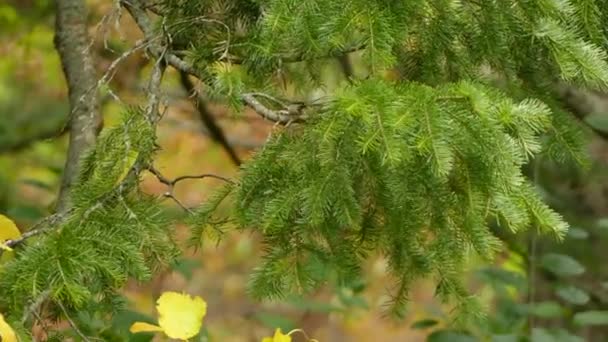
535,287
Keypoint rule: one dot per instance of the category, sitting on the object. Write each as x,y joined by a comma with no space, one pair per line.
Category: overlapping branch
289,114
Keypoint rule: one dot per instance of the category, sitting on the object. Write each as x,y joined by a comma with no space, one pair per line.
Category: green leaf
25,212
572,294
562,265
37,184
424,323
598,121
275,321
577,233
305,304
602,223
546,309
542,335
505,338
351,300
450,336
186,267
553,335
591,318
501,277
123,320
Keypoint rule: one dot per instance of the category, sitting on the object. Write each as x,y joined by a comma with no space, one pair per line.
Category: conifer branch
138,13
41,227
295,58
26,140
293,113
49,222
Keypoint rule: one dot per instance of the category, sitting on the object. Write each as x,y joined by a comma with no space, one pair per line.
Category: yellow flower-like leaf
144,327
8,231
278,337
180,316
7,334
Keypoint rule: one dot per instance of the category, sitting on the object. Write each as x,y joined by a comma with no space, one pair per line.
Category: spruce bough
412,158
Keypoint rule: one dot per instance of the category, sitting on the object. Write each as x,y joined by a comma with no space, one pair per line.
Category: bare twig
205,175
171,183
73,325
292,113
580,104
41,227
24,141
152,114
138,13
34,305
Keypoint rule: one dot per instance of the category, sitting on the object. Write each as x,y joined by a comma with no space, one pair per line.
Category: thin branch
294,58
171,183
25,141
138,13
580,105
293,113
35,304
41,227
204,175
215,131
72,324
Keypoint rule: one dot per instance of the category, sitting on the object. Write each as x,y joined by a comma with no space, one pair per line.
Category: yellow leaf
278,337
180,316
7,334
8,231
144,327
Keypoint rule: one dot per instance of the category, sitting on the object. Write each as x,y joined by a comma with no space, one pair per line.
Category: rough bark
71,41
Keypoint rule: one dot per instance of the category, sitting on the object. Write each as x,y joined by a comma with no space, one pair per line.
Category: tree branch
71,41
294,58
25,141
138,13
347,66
580,105
290,113
294,112
40,227
171,183
215,131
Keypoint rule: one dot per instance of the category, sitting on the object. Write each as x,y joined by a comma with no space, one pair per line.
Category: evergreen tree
410,156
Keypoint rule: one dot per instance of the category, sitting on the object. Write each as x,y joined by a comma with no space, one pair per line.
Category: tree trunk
71,41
